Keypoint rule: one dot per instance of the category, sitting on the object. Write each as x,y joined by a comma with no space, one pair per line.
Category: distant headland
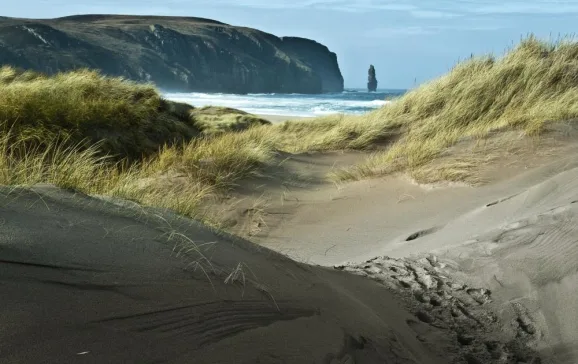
175,53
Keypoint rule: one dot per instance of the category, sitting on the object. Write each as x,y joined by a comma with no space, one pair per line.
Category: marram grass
109,136
113,137
534,84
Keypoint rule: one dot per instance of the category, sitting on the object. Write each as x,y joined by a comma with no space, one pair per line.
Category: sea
350,101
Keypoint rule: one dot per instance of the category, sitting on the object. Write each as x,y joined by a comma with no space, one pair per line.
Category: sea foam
347,102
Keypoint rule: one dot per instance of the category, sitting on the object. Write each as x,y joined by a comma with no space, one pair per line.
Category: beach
123,283
304,267
494,269
281,118
372,271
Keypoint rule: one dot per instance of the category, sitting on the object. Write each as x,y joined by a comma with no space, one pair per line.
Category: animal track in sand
501,200
436,300
421,233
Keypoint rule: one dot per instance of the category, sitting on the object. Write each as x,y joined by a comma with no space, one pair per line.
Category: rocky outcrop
177,54
371,79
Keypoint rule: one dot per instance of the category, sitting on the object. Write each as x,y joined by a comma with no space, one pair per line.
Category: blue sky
408,41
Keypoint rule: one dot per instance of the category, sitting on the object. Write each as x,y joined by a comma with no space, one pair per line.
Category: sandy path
516,237
280,118
328,224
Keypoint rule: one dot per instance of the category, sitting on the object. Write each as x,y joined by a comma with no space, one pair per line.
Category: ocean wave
287,104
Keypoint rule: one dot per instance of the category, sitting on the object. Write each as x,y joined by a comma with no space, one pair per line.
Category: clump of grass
216,120
179,178
332,132
56,161
129,119
221,160
532,85
109,136
24,162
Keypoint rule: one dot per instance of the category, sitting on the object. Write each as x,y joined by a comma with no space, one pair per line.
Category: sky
408,41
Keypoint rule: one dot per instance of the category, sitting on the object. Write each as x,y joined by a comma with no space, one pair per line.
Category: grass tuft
109,136
217,120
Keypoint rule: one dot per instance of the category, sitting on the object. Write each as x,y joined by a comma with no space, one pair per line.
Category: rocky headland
175,53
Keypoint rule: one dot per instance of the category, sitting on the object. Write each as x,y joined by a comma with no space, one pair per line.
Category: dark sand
95,281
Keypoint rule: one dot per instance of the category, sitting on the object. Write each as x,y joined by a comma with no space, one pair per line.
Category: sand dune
280,118
527,254
104,281
413,274
515,237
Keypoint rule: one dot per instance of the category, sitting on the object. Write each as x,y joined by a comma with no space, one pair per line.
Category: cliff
176,53
322,61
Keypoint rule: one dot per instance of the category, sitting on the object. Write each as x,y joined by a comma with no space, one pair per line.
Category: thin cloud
432,14
538,7
400,31
418,9
415,8
393,32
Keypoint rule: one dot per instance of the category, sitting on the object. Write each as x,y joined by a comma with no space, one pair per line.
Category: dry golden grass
61,129
532,85
220,160
130,119
77,167
217,120
109,136
176,178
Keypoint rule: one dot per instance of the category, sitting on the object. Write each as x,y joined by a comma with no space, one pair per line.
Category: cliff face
180,54
318,57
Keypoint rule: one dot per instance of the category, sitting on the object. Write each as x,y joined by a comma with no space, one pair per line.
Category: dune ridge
120,282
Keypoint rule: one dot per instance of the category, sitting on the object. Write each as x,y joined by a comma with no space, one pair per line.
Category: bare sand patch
281,118
105,281
513,235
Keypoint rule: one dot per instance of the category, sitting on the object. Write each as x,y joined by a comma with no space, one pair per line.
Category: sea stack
371,80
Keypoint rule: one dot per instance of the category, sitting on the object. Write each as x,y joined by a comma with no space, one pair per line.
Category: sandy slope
524,247
279,118
516,237
99,281
472,275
